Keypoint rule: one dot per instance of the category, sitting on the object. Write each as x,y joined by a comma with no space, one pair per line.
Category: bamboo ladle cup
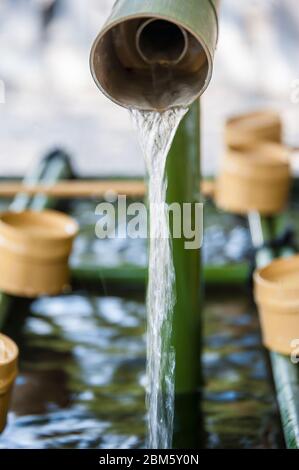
8,372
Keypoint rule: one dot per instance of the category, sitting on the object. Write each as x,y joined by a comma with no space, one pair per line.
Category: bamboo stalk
85,189
183,176
286,378
59,168
55,166
233,274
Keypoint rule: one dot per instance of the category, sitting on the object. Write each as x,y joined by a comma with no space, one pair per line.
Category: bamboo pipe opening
150,64
161,42
156,54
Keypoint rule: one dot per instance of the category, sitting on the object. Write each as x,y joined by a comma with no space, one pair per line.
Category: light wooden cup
258,179
277,297
8,372
248,129
34,252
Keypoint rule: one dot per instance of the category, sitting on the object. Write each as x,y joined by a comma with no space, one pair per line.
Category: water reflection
82,378
82,370
239,403
226,241
83,361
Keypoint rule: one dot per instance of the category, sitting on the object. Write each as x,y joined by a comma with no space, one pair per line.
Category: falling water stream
156,132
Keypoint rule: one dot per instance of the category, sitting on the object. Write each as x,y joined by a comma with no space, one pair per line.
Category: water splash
156,133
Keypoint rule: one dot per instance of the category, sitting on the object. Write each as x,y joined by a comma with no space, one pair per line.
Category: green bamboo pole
83,272
22,200
52,168
183,175
286,378
58,168
285,374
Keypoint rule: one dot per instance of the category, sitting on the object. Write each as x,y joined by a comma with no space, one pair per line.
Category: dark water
82,375
82,362
239,404
82,368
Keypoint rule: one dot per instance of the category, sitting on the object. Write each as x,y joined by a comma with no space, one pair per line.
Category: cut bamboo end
34,252
277,296
143,39
8,372
258,179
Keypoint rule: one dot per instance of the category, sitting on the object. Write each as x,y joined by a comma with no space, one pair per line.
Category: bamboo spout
156,54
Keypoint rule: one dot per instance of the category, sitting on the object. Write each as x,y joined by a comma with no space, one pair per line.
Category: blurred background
48,98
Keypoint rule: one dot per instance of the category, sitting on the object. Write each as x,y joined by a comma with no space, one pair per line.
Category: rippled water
156,132
83,359
226,241
82,375
239,405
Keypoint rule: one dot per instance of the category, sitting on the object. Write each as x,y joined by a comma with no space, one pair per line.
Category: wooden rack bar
85,188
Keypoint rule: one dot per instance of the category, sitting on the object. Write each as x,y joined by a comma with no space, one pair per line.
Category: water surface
82,375
83,359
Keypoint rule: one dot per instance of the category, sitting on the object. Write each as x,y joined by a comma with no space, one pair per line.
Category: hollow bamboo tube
72,189
91,274
183,175
123,57
55,166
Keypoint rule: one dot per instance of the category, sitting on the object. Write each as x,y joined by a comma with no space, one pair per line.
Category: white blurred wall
51,100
